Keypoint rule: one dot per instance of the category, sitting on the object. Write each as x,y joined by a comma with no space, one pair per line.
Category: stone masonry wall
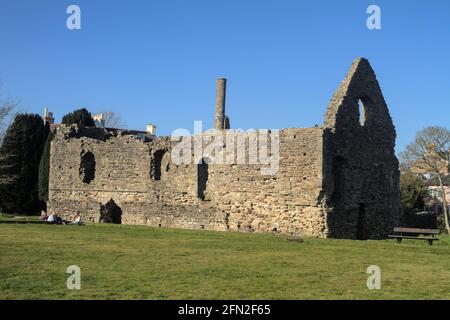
339,180
150,189
361,175
287,202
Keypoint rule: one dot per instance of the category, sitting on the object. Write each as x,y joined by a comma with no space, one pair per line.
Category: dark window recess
87,167
202,179
361,224
158,157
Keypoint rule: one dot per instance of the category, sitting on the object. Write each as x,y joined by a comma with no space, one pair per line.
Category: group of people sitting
54,218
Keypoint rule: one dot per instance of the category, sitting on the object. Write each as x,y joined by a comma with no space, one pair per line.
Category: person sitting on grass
78,219
60,220
43,216
55,219
51,218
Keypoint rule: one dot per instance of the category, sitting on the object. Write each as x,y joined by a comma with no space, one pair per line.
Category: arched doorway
110,213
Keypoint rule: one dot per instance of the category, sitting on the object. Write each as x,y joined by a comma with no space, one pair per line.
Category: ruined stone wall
140,178
361,175
340,180
286,202
120,163
125,174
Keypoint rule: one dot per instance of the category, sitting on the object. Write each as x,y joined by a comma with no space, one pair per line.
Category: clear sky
156,61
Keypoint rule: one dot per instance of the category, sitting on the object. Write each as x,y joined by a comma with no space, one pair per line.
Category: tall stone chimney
48,117
220,118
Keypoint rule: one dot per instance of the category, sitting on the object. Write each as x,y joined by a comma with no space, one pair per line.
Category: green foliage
20,154
412,191
44,170
140,262
80,116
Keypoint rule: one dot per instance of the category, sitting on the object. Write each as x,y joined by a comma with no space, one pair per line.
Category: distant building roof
435,182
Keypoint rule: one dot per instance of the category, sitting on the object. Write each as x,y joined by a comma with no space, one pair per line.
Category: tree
44,170
6,110
80,116
412,191
430,153
112,119
6,165
19,163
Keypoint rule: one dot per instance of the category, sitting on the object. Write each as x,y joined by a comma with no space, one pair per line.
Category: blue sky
156,61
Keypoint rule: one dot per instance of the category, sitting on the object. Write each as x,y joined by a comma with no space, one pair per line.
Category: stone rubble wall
287,202
239,197
361,174
340,180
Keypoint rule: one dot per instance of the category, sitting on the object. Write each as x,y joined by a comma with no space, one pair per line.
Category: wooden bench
414,233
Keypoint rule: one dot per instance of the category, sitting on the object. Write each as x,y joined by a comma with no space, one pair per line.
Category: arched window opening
361,113
158,164
87,167
202,178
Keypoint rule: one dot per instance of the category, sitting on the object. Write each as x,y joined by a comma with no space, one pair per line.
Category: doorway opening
361,224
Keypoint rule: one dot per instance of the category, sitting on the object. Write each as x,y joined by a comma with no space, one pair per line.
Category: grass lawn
138,262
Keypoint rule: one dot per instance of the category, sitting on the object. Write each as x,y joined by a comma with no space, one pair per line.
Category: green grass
137,262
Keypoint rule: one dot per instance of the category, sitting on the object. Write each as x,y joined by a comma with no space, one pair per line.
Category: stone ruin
338,180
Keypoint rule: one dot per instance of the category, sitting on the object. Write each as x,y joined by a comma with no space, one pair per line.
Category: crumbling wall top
360,88
76,131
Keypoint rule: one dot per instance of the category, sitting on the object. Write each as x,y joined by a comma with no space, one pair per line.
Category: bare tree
8,162
6,113
430,153
5,165
112,119
6,110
